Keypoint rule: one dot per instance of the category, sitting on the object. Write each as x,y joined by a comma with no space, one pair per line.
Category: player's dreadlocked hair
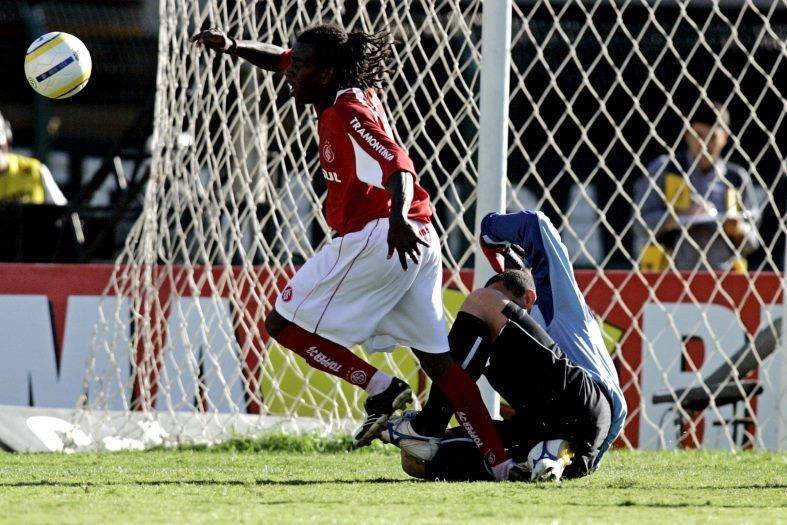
359,59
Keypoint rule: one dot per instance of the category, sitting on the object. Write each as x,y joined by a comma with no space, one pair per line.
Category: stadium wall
48,314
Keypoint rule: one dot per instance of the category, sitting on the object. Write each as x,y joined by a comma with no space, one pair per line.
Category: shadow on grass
657,505
633,486
207,482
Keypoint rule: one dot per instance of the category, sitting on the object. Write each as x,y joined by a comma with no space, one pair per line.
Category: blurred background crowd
691,148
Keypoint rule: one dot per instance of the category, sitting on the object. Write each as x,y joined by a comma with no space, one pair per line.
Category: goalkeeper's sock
464,396
327,356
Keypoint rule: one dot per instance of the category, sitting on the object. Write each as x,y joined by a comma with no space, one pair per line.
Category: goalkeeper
552,368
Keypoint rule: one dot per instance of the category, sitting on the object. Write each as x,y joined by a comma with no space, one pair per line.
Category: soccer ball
58,65
547,459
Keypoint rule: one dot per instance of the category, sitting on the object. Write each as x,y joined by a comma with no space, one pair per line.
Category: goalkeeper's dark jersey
552,399
560,308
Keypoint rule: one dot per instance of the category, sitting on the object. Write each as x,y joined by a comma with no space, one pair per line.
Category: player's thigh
521,349
344,291
588,420
418,320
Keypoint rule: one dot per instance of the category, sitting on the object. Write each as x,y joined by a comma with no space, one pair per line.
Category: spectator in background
23,179
699,206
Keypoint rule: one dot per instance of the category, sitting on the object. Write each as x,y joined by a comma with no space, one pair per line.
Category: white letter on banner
201,337
28,366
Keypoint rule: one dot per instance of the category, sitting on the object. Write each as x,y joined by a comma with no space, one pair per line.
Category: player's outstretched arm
265,56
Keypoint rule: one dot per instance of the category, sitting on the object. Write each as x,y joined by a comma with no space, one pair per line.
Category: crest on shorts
286,294
327,152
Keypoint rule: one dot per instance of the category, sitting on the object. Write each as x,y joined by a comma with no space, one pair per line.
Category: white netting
233,205
601,89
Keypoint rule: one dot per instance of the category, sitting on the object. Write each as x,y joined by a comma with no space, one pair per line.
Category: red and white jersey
358,154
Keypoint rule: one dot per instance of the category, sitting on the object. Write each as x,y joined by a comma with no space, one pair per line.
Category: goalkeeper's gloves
494,253
503,255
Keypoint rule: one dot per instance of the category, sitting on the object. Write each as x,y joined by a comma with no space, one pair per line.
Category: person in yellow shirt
699,205
24,179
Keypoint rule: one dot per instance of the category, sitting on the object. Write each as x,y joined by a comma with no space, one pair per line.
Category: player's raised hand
494,254
514,257
212,38
404,240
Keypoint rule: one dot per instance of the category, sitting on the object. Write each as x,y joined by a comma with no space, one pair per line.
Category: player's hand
404,240
670,224
735,229
514,257
212,38
494,254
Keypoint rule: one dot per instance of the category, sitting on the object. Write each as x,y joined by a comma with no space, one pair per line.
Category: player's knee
275,323
433,365
413,466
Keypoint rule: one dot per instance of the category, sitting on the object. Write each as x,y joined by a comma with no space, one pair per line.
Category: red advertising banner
667,331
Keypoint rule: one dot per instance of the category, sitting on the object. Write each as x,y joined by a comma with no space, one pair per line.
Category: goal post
582,110
492,140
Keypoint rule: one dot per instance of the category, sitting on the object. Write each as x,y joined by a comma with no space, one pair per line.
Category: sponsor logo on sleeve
370,139
286,294
331,176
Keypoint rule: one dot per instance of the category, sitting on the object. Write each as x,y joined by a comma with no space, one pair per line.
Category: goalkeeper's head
516,285
326,58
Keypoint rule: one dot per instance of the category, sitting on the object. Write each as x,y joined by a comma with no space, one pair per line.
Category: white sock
500,471
378,383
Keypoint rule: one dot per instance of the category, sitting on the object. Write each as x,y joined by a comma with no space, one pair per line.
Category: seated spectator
699,206
23,179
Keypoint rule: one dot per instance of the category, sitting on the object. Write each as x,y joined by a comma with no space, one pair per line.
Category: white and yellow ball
548,459
58,65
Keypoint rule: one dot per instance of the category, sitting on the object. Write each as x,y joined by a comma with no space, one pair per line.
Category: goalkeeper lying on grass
552,367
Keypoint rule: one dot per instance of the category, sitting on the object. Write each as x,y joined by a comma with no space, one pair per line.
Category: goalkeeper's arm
265,56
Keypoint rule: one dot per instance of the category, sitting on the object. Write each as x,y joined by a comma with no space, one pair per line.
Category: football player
352,290
546,357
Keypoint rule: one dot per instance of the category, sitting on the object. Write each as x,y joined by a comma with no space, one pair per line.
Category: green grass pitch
292,482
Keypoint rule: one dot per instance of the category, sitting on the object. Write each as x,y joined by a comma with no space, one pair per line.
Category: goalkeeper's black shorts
552,399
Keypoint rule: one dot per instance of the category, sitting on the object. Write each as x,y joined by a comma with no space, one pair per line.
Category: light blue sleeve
547,257
566,316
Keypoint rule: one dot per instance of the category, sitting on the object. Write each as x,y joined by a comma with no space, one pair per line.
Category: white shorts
350,293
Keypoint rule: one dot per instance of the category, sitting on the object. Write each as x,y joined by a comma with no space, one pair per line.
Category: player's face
308,81
705,143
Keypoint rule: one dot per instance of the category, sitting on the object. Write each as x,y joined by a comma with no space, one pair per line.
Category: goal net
601,101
